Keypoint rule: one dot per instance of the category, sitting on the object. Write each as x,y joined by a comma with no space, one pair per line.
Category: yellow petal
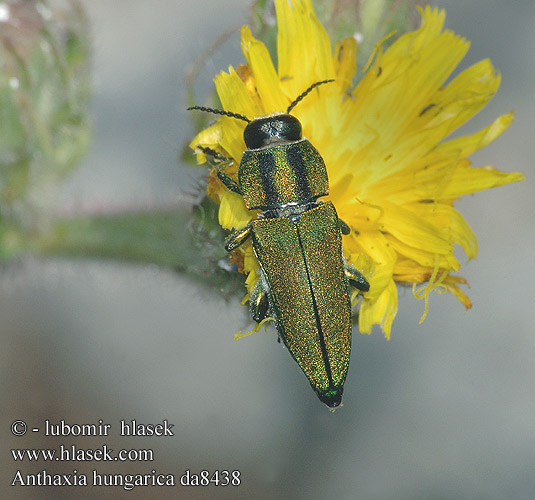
345,62
415,231
377,247
446,218
234,97
209,137
419,260
451,284
448,108
467,180
303,47
467,145
266,78
411,71
380,311
232,211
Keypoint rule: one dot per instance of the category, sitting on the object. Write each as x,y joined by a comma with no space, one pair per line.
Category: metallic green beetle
304,280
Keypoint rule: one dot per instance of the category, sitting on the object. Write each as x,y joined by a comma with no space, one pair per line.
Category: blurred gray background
444,410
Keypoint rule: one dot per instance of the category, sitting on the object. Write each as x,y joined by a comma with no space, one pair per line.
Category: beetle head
278,128
270,130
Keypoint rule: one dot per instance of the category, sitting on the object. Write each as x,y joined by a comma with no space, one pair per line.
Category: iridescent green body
309,292
304,281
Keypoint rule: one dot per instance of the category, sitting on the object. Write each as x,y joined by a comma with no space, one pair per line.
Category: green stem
183,238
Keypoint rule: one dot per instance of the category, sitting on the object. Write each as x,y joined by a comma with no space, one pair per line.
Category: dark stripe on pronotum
267,167
295,159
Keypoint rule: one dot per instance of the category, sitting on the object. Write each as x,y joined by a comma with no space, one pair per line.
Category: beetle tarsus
344,227
259,302
218,158
237,238
356,279
229,182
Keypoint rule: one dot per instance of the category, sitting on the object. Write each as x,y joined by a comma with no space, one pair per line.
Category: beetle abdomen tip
332,398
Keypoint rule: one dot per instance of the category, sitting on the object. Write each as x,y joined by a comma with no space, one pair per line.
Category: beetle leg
236,238
344,227
356,279
218,158
228,181
259,302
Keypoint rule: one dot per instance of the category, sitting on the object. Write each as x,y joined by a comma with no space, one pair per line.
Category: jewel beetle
304,282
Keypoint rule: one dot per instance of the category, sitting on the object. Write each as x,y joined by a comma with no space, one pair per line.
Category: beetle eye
272,129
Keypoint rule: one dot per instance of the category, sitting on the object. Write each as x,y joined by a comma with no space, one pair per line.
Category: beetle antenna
221,112
305,93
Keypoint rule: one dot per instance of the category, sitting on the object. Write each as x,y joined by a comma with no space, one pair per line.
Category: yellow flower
393,178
